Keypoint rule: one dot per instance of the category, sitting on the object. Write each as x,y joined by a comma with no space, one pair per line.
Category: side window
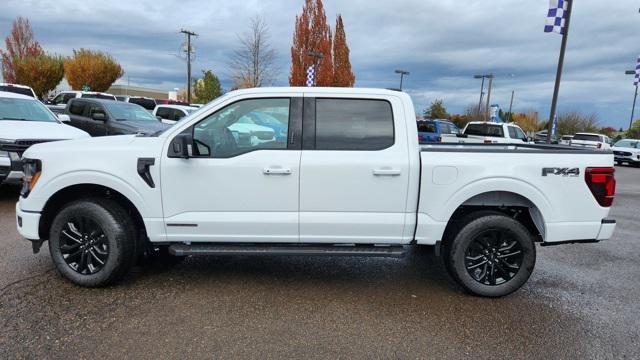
96,109
58,99
67,97
164,113
350,124
427,126
520,134
512,132
77,108
227,133
178,114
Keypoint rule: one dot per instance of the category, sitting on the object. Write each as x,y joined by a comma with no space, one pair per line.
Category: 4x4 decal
573,172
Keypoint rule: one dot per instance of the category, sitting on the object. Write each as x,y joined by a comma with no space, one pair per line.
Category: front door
354,173
241,184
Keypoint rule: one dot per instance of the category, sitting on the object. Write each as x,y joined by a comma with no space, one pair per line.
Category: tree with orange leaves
342,73
95,69
20,44
311,34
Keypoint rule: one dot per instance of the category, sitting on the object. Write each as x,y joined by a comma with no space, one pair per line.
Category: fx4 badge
572,172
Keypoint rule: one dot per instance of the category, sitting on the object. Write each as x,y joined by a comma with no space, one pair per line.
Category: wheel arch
86,190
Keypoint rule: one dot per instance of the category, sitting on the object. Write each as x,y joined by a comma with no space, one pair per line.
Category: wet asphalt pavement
581,301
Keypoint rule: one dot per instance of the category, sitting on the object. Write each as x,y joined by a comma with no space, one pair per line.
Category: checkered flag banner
311,76
557,17
637,79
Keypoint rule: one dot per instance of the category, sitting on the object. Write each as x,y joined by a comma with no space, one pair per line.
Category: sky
442,43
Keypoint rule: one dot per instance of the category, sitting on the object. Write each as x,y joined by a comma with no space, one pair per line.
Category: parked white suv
170,114
627,151
59,103
25,121
348,179
18,89
591,141
489,133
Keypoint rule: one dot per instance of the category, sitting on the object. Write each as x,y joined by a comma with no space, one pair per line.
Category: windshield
25,110
628,144
98,96
122,111
16,90
587,137
148,104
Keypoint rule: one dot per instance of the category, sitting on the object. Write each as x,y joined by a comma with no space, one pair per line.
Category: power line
189,51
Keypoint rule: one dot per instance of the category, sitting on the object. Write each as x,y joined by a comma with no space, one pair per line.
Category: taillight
439,139
602,184
487,141
599,145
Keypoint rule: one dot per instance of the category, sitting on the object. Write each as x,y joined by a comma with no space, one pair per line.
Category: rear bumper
606,229
27,223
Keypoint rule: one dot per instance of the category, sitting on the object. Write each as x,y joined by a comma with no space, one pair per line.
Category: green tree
42,72
207,88
634,132
436,110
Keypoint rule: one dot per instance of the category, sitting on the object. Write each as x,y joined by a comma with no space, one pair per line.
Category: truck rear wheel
92,242
492,255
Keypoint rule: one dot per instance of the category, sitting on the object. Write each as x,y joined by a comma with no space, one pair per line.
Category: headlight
32,169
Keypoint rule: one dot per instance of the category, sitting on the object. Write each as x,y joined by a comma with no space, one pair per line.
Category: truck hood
146,127
104,144
14,130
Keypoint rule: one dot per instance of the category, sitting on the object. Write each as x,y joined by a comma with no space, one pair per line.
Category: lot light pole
513,93
635,97
402,74
189,51
485,76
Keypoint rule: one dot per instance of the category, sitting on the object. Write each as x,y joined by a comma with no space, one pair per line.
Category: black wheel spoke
493,257
83,245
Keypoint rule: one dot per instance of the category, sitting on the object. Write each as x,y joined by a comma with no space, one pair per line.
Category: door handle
387,172
276,171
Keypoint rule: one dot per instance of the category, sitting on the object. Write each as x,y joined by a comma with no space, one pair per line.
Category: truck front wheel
92,242
491,255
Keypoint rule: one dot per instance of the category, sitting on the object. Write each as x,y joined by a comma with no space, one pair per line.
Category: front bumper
28,223
627,159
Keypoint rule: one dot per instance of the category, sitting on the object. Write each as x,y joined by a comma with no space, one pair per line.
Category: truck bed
548,180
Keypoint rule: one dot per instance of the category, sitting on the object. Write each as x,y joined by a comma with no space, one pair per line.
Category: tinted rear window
148,104
77,107
586,137
349,124
484,130
427,126
16,90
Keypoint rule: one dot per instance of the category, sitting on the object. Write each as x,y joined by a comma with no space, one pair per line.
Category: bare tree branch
252,64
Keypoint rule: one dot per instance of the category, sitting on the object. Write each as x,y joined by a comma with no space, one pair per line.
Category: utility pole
556,89
513,92
402,74
317,57
635,97
484,76
189,34
489,96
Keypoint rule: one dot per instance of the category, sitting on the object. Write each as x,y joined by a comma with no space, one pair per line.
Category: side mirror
181,146
64,117
99,116
159,118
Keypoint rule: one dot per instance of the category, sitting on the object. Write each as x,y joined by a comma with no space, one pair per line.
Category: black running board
286,249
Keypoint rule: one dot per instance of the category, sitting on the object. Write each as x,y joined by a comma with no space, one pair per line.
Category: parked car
170,114
279,128
146,102
171,102
59,103
101,117
25,121
591,140
540,137
627,151
433,130
18,89
351,179
565,139
489,133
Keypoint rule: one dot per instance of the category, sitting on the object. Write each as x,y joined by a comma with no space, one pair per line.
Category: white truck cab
348,177
489,133
591,141
59,102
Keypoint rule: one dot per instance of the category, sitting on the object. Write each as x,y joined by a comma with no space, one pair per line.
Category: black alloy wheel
493,257
83,245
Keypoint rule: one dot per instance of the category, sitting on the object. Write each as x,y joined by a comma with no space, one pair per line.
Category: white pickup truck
488,133
350,180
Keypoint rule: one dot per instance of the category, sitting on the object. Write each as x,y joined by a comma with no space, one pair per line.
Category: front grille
21,145
622,153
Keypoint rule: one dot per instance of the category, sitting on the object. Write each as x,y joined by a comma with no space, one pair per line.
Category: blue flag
557,17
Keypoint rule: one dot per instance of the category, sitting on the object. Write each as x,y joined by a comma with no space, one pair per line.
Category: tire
492,255
92,242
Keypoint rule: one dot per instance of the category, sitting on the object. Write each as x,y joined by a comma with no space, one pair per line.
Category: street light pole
481,93
635,97
402,74
513,92
484,76
490,76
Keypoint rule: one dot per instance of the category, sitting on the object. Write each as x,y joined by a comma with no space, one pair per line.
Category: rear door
354,171
96,127
76,112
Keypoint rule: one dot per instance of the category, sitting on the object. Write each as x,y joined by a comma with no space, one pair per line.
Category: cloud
443,43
